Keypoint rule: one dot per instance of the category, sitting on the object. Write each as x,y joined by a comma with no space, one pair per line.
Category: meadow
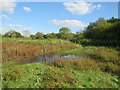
99,70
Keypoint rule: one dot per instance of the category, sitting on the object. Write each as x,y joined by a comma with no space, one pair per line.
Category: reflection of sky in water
51,58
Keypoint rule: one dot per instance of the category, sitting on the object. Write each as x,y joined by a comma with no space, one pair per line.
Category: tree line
101,32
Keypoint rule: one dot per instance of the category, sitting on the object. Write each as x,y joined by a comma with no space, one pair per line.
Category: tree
39,35
64,33
64,30
13,34
80,31
77,37
65,36
103,29
100,20
113,20
26,33
32,36
51,35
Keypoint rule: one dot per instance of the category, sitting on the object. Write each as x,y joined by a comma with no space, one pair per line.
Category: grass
72,74
85,73
76,51
39,41
102,53
20,48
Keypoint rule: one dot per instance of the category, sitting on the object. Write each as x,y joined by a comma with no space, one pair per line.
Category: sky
47,17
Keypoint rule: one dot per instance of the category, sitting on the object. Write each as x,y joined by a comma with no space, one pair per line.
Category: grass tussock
86,63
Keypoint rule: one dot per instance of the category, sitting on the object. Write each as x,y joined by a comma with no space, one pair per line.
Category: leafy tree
77,37
13,34
64,33
39,35
32,36
51,35
104,32
113,20
64,30
100,20
79,32
65,36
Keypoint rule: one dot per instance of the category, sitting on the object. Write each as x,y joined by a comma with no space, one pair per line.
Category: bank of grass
103,54
84,73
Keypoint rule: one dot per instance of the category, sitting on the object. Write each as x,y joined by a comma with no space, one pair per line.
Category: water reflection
51,58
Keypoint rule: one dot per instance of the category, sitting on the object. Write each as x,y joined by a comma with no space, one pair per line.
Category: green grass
88,50
77,51
44,41
13,78
40,75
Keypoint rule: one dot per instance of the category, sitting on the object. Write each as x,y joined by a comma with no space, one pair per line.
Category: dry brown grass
14,50
77,64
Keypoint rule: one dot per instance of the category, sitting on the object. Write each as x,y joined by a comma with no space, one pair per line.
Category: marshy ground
99,70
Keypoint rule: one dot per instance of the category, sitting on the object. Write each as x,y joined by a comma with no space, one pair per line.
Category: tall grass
30,48
39,41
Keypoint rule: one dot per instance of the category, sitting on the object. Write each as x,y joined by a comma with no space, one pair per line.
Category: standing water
51,58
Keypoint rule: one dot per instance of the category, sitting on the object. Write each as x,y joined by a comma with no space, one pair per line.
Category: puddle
51,58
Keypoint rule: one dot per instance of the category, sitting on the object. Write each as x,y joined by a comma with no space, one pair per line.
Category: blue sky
49,17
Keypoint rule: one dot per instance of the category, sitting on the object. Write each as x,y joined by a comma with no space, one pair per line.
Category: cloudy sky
49,17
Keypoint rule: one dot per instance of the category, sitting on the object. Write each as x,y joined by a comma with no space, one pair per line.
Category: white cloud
27,9
7,6
81,7
5,17
11,26
27,28
68,23
3,29
19,28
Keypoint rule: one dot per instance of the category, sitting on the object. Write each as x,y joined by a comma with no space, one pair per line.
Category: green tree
64,33
32,36
113,20
64,30
100,20
13,34
51,35
39,35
